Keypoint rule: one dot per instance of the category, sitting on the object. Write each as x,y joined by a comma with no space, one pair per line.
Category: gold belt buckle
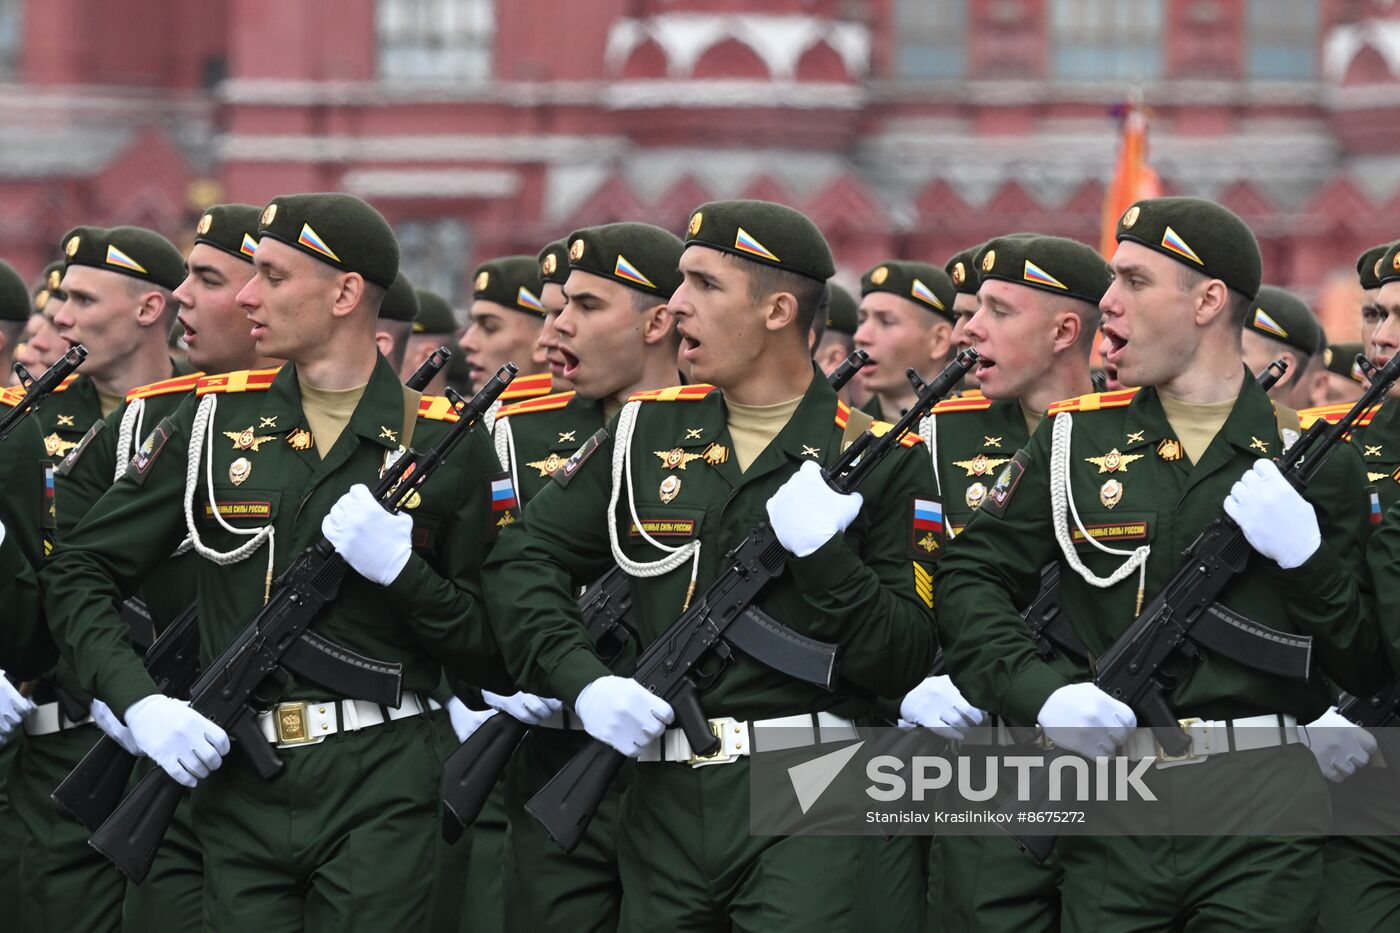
1190,753
293,727
717,756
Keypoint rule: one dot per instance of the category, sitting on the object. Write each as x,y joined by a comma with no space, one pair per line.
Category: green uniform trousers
483,907
341,840
11,836
1361,874
893,881
67,886
170,899
689,863
546,889
1208,883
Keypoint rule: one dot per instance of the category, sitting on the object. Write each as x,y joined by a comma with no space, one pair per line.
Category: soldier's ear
940,339
657,324
352,291
779,310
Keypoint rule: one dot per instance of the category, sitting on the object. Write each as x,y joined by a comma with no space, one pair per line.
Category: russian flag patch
505,507
926,528
1376,513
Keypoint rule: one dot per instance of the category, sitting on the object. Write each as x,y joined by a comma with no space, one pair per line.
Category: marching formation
306,629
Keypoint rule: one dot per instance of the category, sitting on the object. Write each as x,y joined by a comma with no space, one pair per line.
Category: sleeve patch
1007,481
926,528
71,460
145,458
566,473
923,584
504,506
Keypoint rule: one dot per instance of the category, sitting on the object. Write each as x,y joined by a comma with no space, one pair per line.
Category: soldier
118,284
1282,326
393,327
1034,327
1368,272
435,326
42,345
280,458
752,277
505,321
14,312
962,272
1148,469
834,335
906,322
616,331
554,272
1344,381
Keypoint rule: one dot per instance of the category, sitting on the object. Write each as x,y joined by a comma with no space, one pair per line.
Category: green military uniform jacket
67,414
1150,493
973,439
543,433
865,590
25,511
1377,437
266,470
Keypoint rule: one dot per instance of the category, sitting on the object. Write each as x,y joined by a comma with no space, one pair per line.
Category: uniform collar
378,418
810,433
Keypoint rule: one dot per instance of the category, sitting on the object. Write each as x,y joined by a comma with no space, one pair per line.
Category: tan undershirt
753,427
1033,419
108,403
611,406
328,411
1196,425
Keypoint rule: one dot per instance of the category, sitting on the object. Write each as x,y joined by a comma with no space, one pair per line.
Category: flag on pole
1133,179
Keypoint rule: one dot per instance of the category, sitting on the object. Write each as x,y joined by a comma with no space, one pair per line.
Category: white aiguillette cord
622,472
204,426
1062,502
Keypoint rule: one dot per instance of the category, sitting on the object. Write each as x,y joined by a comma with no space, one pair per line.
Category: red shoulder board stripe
10,396
246,380
965,403
436,408
178,384
544,403
523,387
691,393
1094,401
62,386
843,415
1333,413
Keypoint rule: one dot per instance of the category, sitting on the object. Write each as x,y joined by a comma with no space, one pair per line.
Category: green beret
922,283
1340,358
434,314
763,232
14,294
1050,263
232,228
962,270
1200,235
400,301
511,281
338,229
49,284
134,251
640,256
554,262
1389,269
842,314
1368,266
1282,315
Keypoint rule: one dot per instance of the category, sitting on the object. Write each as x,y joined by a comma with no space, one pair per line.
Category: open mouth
258,328
689,347
189,331
1116,345
570,363
985,366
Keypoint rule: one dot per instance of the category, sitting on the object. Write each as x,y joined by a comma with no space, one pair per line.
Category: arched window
435,40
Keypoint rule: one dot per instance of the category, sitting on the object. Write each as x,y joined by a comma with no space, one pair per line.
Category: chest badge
1111,493
239,471
670,488
981,464
548,465
975,495
1113,461
1170,449
57,446
247,440
300,439
675,458
1256,444
716,454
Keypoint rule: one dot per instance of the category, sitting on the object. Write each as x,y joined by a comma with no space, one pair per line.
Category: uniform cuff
575,670
121,692
829,563
409,583
1319,574
1029,690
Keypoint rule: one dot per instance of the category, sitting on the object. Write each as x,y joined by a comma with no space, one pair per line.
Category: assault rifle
92,790
37,390
1185,616
473,769
224,692
709,627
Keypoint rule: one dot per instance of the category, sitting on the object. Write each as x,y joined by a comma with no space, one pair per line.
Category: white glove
806,513
1084,719
937,705
373,541
622,713
185,744
526,707
1339,745
466,720
14,706
113,727
1275,519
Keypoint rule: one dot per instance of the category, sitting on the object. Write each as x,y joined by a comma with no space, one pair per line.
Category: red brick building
903,127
